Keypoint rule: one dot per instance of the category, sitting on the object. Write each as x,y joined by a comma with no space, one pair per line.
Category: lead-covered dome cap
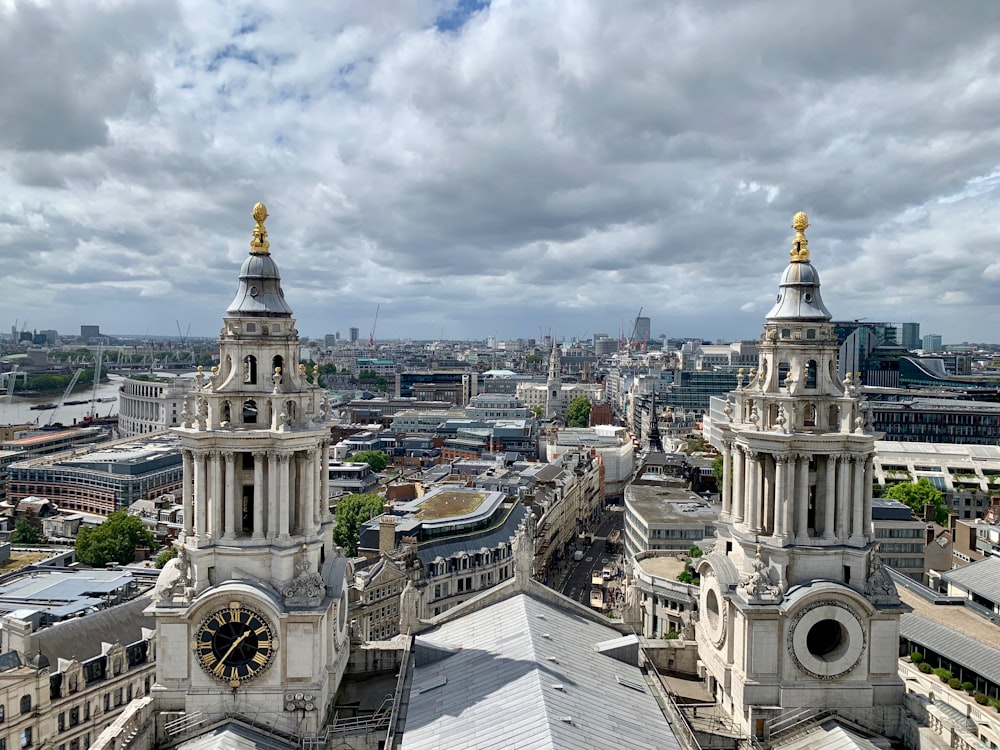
798,294
260,293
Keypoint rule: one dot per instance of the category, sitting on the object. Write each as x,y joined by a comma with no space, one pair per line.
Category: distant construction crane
98,359
62,399
371,336
11,380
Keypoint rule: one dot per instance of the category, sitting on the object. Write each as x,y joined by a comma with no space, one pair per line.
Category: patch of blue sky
455,18
231,52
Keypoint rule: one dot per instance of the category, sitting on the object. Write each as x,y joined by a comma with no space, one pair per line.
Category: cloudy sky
499,168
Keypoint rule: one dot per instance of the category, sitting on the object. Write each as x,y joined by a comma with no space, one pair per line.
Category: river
19,411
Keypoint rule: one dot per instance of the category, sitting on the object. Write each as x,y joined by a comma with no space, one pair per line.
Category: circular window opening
779,298
827,640
712,608
808,297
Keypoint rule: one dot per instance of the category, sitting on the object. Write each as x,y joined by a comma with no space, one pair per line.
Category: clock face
235,644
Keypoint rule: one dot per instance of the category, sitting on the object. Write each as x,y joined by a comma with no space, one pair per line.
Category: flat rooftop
662,566
667,504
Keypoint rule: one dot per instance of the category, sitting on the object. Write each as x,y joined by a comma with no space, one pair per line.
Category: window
74,716
26,737
25,704
61,723
3,713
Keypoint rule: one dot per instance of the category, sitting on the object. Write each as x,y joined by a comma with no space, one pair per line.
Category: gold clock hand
232,647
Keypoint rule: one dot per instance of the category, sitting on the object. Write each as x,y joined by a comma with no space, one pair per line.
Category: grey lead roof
236,736
798,296
525,673
260,293
981,577
81,637
954,646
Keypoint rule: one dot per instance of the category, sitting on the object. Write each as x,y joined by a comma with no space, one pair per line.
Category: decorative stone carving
409,608
524,550
757,585
308,588
276,380
201,413
186,414
729,408
180,590
879,586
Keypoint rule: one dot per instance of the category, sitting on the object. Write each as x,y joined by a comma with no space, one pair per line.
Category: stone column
739,488
858,500
187,499
218,494
200,496
843,495
308,497
830,497
259,494
780,498
867,520
767,496
230,465
753,492
788,513
284,496
324,468
273,499
727,481
802,499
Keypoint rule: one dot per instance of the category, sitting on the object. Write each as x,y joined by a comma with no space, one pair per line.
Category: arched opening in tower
250,369
250,412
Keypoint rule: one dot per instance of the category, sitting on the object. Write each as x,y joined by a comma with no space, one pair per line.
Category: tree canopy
352,511
166,556
114,540
919,494
578,414
25,532
377,460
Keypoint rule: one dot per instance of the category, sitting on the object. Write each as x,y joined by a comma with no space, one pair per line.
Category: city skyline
473,169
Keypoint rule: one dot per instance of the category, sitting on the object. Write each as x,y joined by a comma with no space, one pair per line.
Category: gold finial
259,244
800,245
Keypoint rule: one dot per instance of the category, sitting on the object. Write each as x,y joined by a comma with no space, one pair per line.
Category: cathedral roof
260,293
529,673
798,294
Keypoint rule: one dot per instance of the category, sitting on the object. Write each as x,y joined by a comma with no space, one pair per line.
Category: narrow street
575,581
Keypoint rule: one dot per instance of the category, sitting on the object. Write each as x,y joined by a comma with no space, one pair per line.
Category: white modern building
150,403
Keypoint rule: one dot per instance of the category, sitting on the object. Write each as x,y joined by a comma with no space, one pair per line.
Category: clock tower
797,613
252,614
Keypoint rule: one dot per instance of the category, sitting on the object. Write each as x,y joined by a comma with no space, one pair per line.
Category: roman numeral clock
235,644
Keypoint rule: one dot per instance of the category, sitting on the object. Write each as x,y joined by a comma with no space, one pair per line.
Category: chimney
17,635
386,534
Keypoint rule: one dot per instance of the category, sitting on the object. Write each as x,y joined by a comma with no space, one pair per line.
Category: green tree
165,556
351,513
578,414
919,494
114,540
25,532
717,471
538,411
377,460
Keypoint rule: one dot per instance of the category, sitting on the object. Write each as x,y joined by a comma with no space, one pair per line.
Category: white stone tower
796,610
553,394
252,615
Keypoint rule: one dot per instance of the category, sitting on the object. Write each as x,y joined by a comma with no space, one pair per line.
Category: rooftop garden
450,503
